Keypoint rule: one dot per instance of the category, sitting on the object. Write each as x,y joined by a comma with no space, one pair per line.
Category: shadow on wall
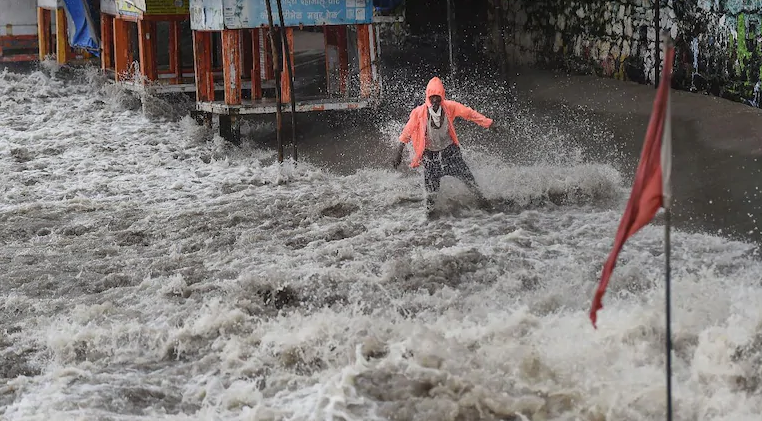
718,44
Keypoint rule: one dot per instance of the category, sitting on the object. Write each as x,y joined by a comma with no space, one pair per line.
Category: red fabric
646,197
415,129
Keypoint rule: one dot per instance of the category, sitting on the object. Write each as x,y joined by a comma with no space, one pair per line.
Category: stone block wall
718,42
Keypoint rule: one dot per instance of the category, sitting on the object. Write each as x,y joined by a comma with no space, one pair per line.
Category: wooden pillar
246,57
175,56
231,65
341,33
107,41
363,52
269,70
202,53
285,86
256,71
43,32
336,36
62,44
147,49
122,53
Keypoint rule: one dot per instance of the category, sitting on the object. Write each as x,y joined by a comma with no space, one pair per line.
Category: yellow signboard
167,7
152,7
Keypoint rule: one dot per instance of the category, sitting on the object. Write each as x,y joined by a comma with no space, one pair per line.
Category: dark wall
718,43
470,26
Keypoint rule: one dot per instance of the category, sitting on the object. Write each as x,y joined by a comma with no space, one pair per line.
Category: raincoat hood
435,87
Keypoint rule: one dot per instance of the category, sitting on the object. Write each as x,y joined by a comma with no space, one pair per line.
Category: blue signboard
253,13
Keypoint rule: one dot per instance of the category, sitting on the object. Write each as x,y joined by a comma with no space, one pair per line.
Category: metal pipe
501,53
449,32
276,68
289,68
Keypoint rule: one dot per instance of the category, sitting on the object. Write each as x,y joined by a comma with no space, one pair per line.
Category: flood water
153,271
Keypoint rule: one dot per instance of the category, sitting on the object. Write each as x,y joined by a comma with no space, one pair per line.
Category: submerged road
717,144
153,271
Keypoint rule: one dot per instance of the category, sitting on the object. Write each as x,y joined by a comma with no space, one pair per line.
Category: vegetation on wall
718,42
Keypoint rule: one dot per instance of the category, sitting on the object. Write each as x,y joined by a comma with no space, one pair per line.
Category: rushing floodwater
151,271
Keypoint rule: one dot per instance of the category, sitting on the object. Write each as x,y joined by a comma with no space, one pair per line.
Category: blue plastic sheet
82,31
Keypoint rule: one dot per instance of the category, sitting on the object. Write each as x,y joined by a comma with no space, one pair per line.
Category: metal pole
449,32
668,46
668,55
668,309
501,52
289,67
276,68
657,44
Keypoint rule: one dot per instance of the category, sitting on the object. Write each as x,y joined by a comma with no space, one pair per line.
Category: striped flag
651,189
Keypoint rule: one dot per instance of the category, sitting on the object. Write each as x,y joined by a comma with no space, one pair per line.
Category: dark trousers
448,161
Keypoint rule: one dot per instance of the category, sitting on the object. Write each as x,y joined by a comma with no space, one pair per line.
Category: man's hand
398,156
498,128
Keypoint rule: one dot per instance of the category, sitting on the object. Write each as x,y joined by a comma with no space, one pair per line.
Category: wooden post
246,58
256,71
175,56
122,53
284,79
269,69
288,51
336,35
62,44
231,65
107,41
202,53
277,70
147,50
43,32
363,51
343,57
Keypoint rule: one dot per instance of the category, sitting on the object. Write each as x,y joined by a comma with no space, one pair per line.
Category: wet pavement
717,144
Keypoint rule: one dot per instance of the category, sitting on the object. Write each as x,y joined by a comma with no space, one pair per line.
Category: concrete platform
269,106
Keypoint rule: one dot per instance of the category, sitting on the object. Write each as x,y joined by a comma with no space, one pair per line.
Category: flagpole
668,309
667,203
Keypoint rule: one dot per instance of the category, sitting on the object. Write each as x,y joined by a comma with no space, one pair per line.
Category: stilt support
363,51
256,71
107,42
269,69
62,44
43,32
122,52
147,50
230,128
284,83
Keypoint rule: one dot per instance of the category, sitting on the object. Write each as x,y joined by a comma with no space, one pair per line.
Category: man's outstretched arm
470,114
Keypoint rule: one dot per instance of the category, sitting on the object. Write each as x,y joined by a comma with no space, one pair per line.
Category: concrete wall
718,42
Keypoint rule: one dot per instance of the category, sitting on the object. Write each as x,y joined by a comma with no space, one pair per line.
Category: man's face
436,101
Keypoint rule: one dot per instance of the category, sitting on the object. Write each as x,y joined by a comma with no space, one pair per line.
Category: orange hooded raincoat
415,129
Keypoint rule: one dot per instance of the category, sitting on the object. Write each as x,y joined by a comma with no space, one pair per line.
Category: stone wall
718,42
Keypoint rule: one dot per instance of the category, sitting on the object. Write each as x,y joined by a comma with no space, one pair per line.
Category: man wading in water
431,129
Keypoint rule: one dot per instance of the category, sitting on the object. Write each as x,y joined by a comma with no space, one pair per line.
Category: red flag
651,188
